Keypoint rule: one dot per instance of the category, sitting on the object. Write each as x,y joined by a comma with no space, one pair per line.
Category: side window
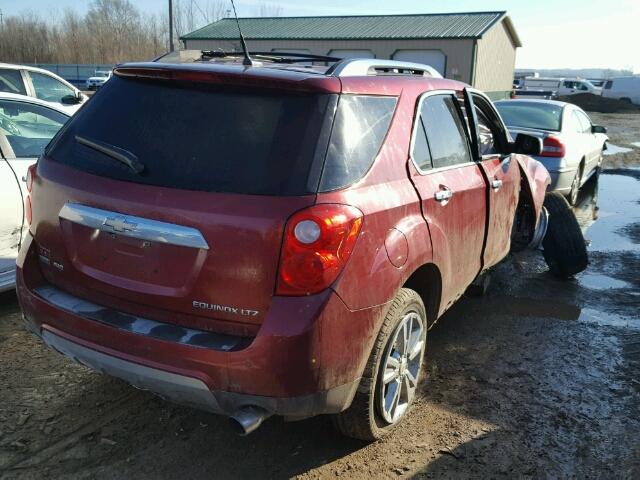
11,81
487,137
360,126
568,84
421,154
27,127
444,131
576,124
608,85
582,86
48,88
584,120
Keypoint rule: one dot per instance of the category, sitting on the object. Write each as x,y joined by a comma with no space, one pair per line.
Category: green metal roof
385,27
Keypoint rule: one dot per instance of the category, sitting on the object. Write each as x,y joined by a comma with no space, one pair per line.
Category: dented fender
537,178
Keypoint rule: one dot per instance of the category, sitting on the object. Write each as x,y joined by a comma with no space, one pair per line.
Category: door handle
443,195
496,184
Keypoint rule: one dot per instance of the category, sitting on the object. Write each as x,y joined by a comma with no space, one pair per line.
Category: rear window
198,137
538,116
11,81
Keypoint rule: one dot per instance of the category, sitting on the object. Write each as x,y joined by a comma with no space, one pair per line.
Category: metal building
478,48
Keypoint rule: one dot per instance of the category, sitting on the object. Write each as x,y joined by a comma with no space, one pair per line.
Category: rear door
25,130
501,171
452,190
590,141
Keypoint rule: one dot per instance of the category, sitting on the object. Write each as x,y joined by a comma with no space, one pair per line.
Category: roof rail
357,67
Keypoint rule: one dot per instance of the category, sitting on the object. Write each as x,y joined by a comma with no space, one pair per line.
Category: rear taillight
553,147
317,244
31,175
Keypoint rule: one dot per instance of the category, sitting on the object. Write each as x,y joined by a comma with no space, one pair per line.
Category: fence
76,74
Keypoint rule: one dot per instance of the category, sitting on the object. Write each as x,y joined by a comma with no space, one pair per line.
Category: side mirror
71,99
598,129
527,145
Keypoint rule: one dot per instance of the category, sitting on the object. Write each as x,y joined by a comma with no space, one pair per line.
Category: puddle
535,307
525,307
590,315
617,211
595,281
614,149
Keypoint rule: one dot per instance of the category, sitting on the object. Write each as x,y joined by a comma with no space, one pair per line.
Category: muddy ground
539,378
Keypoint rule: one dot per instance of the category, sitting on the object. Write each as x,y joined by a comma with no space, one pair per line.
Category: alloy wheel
401,367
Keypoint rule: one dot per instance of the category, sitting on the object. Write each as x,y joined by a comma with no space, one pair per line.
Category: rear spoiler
231,75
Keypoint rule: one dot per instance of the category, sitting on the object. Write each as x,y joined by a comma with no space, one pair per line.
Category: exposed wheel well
524,224
427,281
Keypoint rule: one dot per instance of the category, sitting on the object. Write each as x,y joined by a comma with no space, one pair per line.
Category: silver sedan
573,145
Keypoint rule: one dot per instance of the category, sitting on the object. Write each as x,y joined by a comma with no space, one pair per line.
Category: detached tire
565,250
392,375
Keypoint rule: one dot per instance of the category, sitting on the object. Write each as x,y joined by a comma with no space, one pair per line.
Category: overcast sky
555,33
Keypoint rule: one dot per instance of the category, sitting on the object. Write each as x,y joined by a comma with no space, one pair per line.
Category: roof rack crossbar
352,67
274,55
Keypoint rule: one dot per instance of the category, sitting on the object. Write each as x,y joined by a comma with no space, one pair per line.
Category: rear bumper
561,175
561,181
306,359
191,391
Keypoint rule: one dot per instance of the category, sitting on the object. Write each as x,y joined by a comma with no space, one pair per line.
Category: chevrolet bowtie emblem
120,224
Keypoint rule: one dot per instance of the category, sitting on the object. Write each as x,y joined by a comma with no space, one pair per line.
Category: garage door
351,53
434,58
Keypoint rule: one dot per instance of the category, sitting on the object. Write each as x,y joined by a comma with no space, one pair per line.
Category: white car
98,80
26,127
573,146
41,84
623,88
561,86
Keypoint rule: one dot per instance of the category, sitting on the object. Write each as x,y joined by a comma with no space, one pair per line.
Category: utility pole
170,25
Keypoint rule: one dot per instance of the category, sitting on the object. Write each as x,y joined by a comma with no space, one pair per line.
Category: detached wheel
392,373
564,248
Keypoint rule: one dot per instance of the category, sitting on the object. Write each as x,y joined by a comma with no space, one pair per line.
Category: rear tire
565,250
575,187
368,418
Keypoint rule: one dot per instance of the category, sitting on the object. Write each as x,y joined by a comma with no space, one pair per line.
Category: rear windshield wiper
120,154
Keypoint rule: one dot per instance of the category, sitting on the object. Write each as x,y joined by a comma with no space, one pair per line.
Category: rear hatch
170,197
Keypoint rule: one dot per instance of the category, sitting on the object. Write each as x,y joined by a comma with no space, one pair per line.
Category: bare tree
269,10
112,31
189,15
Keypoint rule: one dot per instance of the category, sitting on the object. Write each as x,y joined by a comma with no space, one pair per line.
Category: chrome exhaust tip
248,419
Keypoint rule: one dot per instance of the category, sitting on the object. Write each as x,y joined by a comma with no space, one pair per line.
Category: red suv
276,239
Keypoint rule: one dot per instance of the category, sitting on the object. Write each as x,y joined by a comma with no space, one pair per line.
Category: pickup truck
560,86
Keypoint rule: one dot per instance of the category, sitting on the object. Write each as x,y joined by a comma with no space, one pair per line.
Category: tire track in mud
120,408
